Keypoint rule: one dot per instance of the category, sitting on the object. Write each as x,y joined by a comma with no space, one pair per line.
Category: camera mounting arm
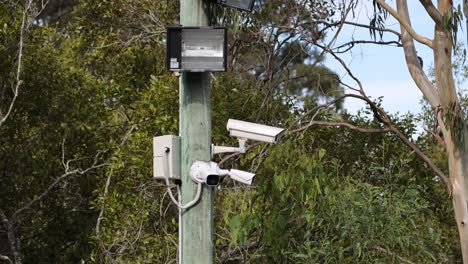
223,149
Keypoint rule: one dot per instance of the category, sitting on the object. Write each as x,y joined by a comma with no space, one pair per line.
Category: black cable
213,9
210,12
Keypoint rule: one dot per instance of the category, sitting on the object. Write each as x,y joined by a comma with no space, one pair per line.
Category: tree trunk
445,103
12,239
452,122
458,162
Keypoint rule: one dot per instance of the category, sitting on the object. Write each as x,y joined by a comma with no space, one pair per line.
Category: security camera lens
212,180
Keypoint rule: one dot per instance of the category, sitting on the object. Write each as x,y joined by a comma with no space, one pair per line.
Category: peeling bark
458,173
445,99
456,149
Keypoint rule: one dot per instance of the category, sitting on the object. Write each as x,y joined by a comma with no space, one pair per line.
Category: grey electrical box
166,145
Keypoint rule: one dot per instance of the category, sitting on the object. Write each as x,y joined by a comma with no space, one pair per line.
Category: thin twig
340,24
423,156
101,212
393,130
342,124
229,255
361,25
343,64
327,49
108,181
53,185
351,44
393,254
19,82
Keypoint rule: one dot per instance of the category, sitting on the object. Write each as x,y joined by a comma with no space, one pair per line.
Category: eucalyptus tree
452,129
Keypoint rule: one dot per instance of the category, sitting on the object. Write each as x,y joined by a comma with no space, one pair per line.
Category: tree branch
340,23
108,181
6,258
432,11
343,64
393,254
341,124
404,23
350,45
383,118
19,82
412,62
370,27
101,212
55,183
10,224
226,256
377,111
423,156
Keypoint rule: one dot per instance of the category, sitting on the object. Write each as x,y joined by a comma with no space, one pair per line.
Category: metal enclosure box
160,145
196,49
246,5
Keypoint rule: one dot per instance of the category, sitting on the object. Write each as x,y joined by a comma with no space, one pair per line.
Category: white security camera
205,172
209,172
253,131
242,176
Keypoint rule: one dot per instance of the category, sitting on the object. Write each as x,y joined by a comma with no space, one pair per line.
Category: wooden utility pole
196,225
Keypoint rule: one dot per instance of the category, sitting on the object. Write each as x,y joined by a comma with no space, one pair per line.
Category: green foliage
9,29
268,50
378,20
60,111
316,205
451,21
83,100
147,234
95,82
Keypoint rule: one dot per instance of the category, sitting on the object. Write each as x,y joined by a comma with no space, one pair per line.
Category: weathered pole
196,225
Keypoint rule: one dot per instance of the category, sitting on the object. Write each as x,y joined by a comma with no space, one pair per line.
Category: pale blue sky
382,69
